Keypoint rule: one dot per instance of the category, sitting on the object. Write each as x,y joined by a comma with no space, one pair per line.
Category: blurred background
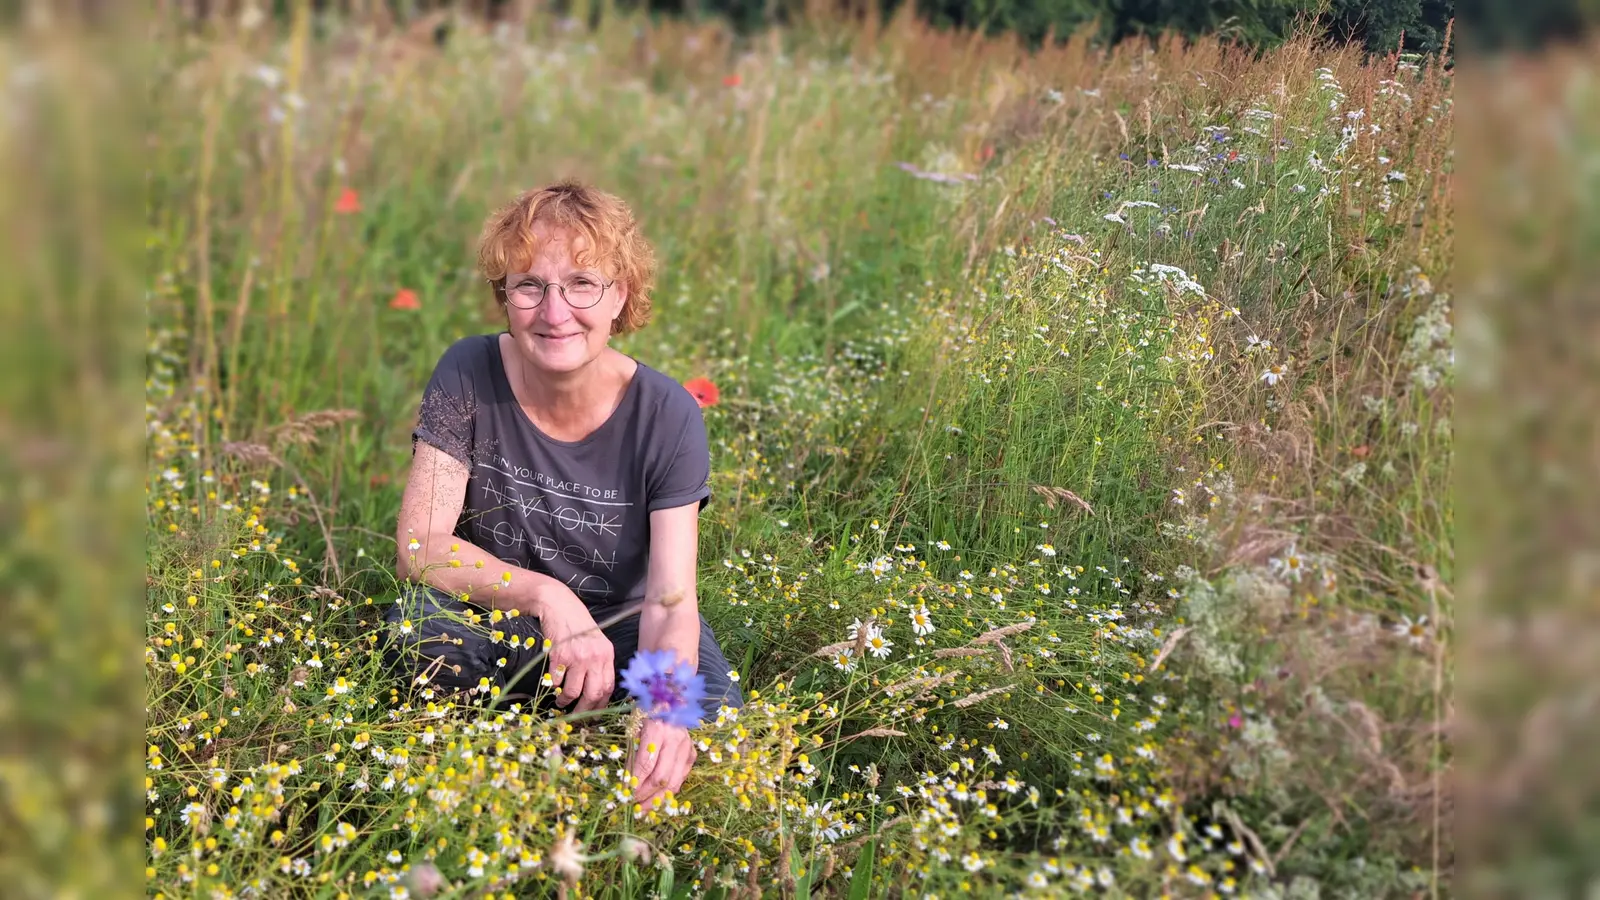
73,288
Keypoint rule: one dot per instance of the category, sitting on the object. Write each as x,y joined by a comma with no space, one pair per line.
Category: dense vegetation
1110,388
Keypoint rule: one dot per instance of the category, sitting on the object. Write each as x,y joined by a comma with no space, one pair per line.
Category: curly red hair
612,241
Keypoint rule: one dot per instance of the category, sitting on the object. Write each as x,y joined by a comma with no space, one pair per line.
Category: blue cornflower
665,687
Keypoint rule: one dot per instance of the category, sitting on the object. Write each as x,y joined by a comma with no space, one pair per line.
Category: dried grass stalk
877,732
950,652
831,649
855,843
1167,647
251,454
922,684
989,637
861,637
981,696
1052,494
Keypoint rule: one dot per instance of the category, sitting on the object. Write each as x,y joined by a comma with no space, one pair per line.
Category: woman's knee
721,689
437,639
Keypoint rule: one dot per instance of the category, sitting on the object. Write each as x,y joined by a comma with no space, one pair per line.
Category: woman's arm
435,493
581,660
671,615
670,620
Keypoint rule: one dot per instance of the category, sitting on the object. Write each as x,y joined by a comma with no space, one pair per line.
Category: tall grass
991,330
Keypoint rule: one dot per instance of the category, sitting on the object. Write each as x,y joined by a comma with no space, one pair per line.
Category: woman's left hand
661,759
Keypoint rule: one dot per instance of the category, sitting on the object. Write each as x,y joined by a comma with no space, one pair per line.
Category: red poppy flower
349,202
1361,451
405,298
985,153
704,391
731,80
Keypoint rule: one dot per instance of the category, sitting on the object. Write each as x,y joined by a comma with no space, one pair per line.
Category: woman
556,485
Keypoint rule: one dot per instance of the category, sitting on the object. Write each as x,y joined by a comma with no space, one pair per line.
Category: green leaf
844,310
861,877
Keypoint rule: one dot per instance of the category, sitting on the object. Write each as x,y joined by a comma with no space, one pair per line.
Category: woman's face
557,336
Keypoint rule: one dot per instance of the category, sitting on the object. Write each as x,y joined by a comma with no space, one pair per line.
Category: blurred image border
1527,714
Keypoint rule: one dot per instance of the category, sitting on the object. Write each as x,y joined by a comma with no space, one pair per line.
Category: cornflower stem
570,718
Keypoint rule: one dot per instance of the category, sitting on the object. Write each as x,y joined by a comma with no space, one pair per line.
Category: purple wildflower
665,687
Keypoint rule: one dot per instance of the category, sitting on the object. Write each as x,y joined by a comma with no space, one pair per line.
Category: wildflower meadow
1081,424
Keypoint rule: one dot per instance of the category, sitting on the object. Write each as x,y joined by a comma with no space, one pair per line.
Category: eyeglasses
582,292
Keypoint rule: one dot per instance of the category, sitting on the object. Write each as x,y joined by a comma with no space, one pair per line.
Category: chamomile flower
1416,631
1291,565
878,645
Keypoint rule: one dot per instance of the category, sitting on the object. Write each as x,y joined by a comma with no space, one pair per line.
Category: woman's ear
621,302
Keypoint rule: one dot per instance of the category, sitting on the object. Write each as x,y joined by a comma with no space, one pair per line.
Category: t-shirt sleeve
449,403
683,472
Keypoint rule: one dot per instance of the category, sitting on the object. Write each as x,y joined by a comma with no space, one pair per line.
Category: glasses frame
544,294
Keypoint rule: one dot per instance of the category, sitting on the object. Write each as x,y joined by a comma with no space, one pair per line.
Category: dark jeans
455,645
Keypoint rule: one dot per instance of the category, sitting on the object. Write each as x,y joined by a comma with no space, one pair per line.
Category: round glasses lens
583,293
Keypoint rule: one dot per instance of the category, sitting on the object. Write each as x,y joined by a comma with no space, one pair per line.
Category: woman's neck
574,401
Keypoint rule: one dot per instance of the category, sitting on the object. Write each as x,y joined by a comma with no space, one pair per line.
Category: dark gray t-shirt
578,511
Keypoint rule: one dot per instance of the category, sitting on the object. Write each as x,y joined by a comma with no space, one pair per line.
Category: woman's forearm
463,569
674,626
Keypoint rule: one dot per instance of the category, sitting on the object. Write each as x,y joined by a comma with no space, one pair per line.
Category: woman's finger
605,681
644,764
571,685
596,689
672,779
668,773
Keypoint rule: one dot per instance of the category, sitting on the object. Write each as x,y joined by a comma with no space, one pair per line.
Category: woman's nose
555,310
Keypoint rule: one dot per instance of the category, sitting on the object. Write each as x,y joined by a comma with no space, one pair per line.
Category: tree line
1380,26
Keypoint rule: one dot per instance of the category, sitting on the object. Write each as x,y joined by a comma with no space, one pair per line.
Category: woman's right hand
582,662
